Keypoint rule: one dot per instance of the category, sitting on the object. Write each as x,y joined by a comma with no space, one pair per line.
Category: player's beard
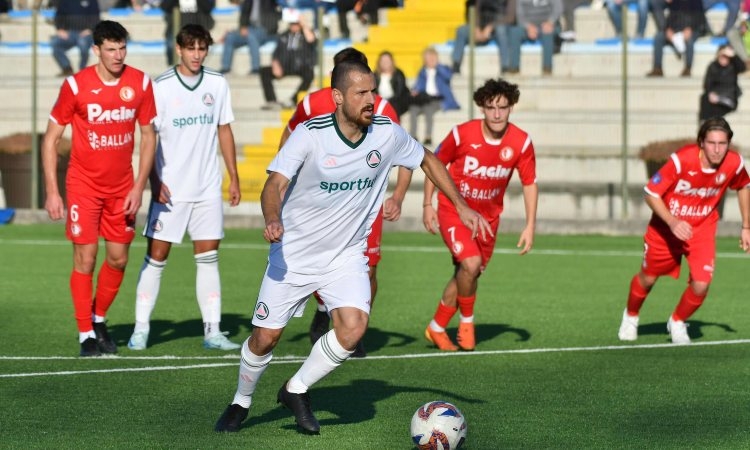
359,117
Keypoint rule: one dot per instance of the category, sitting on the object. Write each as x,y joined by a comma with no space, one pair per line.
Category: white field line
299,359
397,249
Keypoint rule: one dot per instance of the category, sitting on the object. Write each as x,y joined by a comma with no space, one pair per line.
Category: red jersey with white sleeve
692,192
321,102
103,117
482,169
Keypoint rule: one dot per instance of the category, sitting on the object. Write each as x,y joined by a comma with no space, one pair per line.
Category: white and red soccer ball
438,425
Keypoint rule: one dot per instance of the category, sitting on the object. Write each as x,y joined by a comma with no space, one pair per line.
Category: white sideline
299,359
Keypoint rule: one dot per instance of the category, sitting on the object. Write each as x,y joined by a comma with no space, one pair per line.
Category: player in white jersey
194,113
324,189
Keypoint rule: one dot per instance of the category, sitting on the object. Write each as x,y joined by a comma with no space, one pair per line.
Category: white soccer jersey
186,121
336,190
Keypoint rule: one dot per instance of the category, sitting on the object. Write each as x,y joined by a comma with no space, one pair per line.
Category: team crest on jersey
506,153
458,248
75,229
127,94
208,99
156,225
261,311
721,178
373,159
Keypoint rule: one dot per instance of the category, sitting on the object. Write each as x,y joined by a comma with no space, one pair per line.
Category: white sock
99,319
83,335
252,367
208,289
146,292
326,355
435,327
466,319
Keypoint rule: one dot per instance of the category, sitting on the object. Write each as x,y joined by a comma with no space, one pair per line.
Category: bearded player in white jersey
323,192
193,115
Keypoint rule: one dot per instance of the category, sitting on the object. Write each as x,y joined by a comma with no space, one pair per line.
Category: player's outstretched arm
392,205
530,201
229,153
743,196
270,203
429,215
147,150
54,202
438,174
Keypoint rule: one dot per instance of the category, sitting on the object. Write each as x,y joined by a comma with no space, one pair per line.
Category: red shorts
90,217
457,237
662,254
373,240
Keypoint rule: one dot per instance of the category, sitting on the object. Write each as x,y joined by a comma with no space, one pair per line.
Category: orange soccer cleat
440,339
465,336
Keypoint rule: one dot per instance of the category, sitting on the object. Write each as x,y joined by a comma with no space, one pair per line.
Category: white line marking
299,359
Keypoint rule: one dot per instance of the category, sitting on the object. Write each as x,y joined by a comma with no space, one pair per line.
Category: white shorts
284,294
203,220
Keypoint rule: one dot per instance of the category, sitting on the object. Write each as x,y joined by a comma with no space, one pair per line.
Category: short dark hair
714,124
109,30
496,88
340,74
193,33
349,54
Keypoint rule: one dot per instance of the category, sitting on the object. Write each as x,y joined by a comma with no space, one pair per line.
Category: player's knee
472,266
700,288
264,340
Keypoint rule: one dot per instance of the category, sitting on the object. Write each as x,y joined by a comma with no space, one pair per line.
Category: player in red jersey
683,196
102,103
321,102
481,155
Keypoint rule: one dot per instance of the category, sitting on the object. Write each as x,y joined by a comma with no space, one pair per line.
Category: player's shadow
695,328
167,330
375,339
488,331
352,403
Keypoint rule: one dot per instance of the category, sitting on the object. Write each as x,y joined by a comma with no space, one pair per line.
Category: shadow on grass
375,339
352,403
695,328
166,330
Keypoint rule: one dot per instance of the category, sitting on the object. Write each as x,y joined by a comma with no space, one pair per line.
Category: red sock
466,305
636,296
107,285
81,289
444,314
689,303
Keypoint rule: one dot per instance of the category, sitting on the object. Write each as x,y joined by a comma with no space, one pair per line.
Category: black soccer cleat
89,348
232,418
359,351
299,404
319,326
105,343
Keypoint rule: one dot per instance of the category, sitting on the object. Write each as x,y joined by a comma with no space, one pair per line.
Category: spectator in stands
683,27
721,91
733,11
738,36
493,19
259,23
295,54
614,10
536,21
431,93
568,22
366,11
191,11
74,20
390,83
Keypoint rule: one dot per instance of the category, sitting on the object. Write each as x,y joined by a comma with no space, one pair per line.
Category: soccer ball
438,426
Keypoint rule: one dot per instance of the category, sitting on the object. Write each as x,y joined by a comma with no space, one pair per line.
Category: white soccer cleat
678,331
138,341
628,327
220,342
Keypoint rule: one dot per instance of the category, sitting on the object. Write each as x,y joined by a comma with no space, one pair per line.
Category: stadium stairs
574,116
